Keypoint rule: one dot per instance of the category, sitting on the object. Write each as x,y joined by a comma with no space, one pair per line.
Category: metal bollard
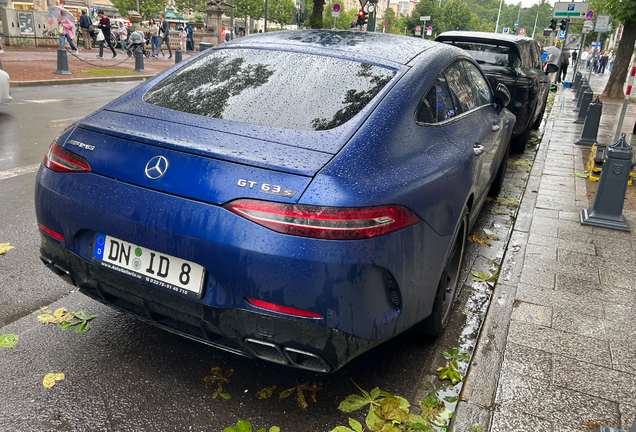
607,209
178,55
62,63
139,61
577,81
592,120
584,87
578,89
585,105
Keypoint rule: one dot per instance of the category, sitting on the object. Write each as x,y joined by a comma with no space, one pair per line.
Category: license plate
150,266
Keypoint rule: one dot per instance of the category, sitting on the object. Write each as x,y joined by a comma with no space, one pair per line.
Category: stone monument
214,22
135,19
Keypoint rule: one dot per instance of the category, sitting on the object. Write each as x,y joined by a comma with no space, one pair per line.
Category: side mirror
551,68
502,97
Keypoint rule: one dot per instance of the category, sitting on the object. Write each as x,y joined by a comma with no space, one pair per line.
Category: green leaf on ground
8,340
481,276
266,393
582,175
4,247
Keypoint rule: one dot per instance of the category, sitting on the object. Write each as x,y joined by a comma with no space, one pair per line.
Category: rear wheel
437,321
496,185
518,143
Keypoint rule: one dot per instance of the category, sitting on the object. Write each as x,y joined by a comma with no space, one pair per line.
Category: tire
129,52
518,143
147,54
436,322
114,41
537,122
496,185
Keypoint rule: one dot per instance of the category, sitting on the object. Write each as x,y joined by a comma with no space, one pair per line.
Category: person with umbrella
66,29
104,26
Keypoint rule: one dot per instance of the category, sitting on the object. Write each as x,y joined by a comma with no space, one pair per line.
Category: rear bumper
242,332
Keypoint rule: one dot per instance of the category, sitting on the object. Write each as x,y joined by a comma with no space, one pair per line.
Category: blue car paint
388,158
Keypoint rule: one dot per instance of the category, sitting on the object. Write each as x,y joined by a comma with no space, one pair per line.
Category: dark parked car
516,62
298,197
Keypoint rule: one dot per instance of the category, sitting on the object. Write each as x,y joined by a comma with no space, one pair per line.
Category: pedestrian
1,50
584,56
190,31
603,63
612,57
183,38
153,29
123,35
66,32
227,35
104,26
85,26
164,34
564,62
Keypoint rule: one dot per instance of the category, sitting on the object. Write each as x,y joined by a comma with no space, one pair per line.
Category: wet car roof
394,48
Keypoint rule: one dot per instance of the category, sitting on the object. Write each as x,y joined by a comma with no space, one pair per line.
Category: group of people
159,33
598,61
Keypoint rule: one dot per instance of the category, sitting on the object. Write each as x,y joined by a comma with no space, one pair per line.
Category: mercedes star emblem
156,167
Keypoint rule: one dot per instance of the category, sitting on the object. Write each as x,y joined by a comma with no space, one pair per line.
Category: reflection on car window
272,88
445,105
460,87
491,54
479,84
437,105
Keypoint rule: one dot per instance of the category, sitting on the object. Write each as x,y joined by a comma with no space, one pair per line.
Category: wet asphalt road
126,375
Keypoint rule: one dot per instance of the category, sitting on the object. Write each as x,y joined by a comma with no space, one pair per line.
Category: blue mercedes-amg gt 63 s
298,197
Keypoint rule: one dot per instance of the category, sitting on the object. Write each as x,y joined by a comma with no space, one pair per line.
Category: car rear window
272,88
491,54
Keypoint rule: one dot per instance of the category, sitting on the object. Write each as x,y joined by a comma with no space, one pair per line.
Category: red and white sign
362,3
522,31
418,30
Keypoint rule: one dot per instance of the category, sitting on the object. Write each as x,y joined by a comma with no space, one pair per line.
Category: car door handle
496,127
478,148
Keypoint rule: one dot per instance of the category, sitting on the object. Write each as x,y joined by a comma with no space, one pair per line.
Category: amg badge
267,188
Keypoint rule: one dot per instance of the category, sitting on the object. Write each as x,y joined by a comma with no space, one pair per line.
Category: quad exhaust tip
288,356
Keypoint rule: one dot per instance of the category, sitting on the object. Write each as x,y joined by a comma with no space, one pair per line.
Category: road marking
67,120
44,101
19,171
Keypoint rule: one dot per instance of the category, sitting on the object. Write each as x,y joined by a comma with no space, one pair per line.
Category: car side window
460,87
538,63
526,58
437,105
479,84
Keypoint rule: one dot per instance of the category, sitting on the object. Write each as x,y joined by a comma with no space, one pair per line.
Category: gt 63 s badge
267,188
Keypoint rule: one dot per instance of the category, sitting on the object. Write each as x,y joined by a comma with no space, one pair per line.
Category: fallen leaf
4,247
482,240
51,378
580,175
8,340
266,392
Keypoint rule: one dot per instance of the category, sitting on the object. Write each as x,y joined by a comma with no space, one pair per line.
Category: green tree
394,24
457,15
425,8
189,7
625,11
280,12
254,9
315,18
343,22
147,8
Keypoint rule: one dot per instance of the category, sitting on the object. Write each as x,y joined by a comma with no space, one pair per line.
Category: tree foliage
254,9
189,7
625,11
280,12
147,8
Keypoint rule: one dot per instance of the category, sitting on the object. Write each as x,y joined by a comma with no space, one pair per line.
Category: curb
89,80
482,378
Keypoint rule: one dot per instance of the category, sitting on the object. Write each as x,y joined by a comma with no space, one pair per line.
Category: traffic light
353,24
564,23
362,17
553,24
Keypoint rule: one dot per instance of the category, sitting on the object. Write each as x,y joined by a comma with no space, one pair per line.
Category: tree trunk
614,87
319,6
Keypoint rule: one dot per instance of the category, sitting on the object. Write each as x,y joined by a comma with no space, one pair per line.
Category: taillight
333,223
49,231
282,309
59,159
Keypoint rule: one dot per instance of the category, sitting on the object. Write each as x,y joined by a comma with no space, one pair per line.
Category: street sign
429,32
588,26
516,24
425,18
336,7
547,31
602,22
589,15
429,28
522,31
362,3
335,14
418,30
568,10
574,41
561,35
506,30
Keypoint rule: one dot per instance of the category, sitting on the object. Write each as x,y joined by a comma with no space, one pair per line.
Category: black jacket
85,21
165,29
